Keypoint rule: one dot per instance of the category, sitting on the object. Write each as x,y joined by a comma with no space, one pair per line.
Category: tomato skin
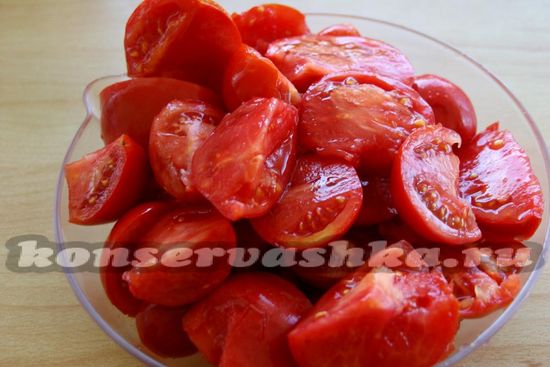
158,31
497,179
377,202
250,75
379,319
244,166
176,133
340,30
306,59
321,203
194,228
245,322
129,107
361,118
159,329
128,233
106,183
452,107
263,24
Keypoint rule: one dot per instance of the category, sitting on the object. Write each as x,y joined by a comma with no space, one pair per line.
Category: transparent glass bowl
492,100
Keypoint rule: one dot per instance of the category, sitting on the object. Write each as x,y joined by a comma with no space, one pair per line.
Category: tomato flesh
263,24
340,30
321,203
244,166
176,133
377,201
361,118
306,59
106,183
497,179
424,187
245,322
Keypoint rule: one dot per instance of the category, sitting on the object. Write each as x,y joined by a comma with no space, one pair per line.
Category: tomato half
126,236
361,118
452,107
129,107
306,59
497,179
424,187
379,319
176,133
263,24
159,329
321,203
184,39
244,166
340,30
168,280
377,201
245,322
106,183
250,75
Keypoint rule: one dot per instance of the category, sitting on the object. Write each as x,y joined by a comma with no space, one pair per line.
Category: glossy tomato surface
379,318
321,203
106,183
129,107
177,132
497,180
168,269
340,30
250,75
306,59
452,107
245,322
377,201
361,118
244,166
424,188
266,23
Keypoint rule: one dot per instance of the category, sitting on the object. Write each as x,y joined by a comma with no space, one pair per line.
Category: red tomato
176,133
106,183
452,107
379,319
395,230
168,280
340,30
264,24
251,75
129,107
245,322
497,179
185,39
377,202
127,234
159,329
244,166
321,204
424,187
306,59
361,118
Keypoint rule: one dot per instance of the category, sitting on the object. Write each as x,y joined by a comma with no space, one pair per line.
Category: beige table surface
50,49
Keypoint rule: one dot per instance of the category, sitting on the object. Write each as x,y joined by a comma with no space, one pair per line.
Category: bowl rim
464,351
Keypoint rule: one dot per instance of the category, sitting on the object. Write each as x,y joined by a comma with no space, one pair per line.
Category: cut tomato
250,75
377,202
361,118
340,30
244,166
176,133
452,107
424,187
497,179
245,322
306,59
321,204
264,24
129,107
106,183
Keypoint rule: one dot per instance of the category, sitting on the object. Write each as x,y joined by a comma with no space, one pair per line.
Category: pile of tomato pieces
251,131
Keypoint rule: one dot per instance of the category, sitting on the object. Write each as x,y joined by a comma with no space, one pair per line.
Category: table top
50,49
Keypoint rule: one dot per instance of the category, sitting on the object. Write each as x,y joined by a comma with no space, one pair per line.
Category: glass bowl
492,100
